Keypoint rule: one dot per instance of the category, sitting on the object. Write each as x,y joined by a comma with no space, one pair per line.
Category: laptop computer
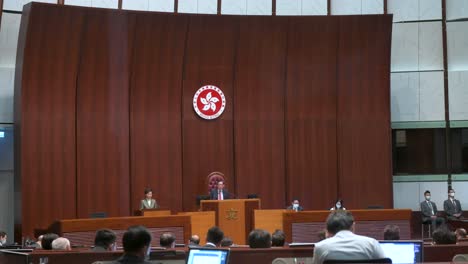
208,256
403,251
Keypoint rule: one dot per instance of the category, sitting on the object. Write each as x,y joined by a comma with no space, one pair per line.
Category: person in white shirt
343,244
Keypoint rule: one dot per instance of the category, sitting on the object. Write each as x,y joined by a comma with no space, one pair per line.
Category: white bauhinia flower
209,102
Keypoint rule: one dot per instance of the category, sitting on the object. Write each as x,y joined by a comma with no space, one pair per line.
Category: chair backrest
339,261
98,215
460,258
213,179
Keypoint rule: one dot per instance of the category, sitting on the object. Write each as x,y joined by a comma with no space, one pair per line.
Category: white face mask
452,194
428,197
338,205
295,205
3,241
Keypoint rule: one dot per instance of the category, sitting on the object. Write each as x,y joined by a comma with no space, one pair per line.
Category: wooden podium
234,217
153,212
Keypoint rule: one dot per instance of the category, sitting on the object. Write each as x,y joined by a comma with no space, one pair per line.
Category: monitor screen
403,251
208,256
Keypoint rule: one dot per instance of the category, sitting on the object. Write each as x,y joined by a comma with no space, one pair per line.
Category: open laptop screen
208,256
403,251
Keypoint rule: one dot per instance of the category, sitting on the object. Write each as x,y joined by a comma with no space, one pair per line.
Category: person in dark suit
104,240
295,206
214,236
148,202
429,212
47,240
219,193
452,206
259,238
137,244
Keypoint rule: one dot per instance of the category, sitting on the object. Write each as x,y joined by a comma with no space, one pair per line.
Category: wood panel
269,220
103,114
311,157
98,118
47,67
234,216
208,144
155,109
200,222
305,226
82,231
364,133
259,109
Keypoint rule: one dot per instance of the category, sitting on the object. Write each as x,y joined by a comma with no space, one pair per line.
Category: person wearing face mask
3,239
429,212
452,206
338,205
295,206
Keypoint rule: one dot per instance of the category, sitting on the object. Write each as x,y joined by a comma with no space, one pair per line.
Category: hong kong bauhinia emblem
209,102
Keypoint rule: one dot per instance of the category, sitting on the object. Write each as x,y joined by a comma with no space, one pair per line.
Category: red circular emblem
209,102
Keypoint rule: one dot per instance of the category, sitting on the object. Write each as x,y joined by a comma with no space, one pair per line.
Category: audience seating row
432,253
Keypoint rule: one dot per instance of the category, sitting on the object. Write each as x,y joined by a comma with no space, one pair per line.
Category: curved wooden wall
103,110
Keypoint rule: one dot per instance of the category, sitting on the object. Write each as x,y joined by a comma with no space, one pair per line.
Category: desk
82,231
237,256
304,226
152,212
200,223
233,216
269,220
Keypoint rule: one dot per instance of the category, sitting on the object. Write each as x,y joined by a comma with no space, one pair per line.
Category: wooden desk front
269,220
305,226
201,222
233,216
153,212
82,231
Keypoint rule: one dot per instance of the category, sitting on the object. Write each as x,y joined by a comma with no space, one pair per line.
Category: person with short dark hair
295,206
443,236
391,232
259,238
137,245
452,206
104,240
3,238
214,237
47,240
277,238
148,202
226,242
343,244
460,233
167,240
429,212
194,240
